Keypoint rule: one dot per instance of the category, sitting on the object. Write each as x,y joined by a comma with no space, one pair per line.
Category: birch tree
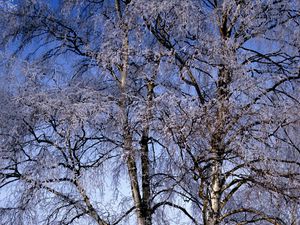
198,104
245,81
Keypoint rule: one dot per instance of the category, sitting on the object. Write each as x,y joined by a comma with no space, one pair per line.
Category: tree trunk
128,147
215,188
145,158
132,171
218,148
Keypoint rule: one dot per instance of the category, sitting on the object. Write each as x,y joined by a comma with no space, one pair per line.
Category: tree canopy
150,112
